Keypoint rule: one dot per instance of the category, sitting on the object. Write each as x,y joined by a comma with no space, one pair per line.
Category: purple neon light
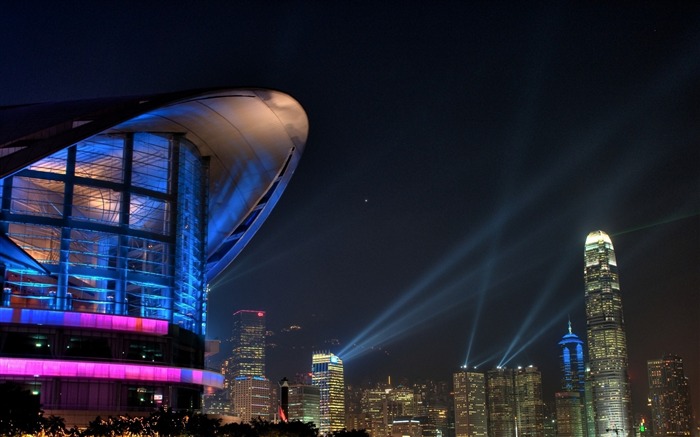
87,369
109,322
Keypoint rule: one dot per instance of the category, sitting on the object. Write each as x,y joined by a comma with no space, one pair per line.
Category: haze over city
458,156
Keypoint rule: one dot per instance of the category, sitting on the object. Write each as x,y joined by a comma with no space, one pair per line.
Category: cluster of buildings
116,213
593,397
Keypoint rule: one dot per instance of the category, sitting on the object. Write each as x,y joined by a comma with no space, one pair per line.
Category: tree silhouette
20,411
167,422
237,430
53,425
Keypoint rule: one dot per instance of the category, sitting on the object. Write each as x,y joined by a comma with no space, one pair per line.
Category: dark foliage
20,412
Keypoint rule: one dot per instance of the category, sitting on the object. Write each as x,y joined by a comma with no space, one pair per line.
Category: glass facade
470,404
248,344
607,344
669,397
114,214
501,402
119,222
327,374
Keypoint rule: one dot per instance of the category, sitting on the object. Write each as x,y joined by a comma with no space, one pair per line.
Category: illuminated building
570,402
248,356
115,214
607,345
327,374
569,414
382,404
501,402
528,401
251,397
304,403
251,389
572,363
413,426
375,410
471,418
669,395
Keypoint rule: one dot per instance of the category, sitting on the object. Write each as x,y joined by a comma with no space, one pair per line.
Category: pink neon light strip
109,322
113,371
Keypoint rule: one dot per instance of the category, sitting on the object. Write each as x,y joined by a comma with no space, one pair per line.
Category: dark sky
459,153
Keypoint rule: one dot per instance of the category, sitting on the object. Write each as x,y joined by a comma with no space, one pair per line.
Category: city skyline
458,154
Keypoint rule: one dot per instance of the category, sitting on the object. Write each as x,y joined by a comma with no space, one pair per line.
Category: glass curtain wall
119,222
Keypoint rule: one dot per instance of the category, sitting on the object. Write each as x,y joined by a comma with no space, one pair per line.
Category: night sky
459,153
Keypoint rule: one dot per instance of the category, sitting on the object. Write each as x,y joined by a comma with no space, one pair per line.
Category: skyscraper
327,374
248,355
671,413
115,214
570,401
528,401
501,402
250,388
607,345
573,369
304,403
471,418
569,409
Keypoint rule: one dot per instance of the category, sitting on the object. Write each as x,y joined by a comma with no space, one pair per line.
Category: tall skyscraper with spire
607,343
570,400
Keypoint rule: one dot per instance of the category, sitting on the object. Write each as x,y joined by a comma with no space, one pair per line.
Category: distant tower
671,413
607,345
570,401
327,374
529,403
470,404
250,388
284,400
501,402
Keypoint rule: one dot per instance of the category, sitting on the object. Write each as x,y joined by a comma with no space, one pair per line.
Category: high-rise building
471,417
669,395
375,410
607,344
573,369
115,214
529,405
250,397
570,401
501,402
327,374
304,401
248,354
413,426
569,409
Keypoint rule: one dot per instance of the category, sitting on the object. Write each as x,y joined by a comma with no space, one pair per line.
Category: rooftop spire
570,325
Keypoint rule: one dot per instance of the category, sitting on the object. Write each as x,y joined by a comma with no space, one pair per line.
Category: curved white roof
253,137
596,236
